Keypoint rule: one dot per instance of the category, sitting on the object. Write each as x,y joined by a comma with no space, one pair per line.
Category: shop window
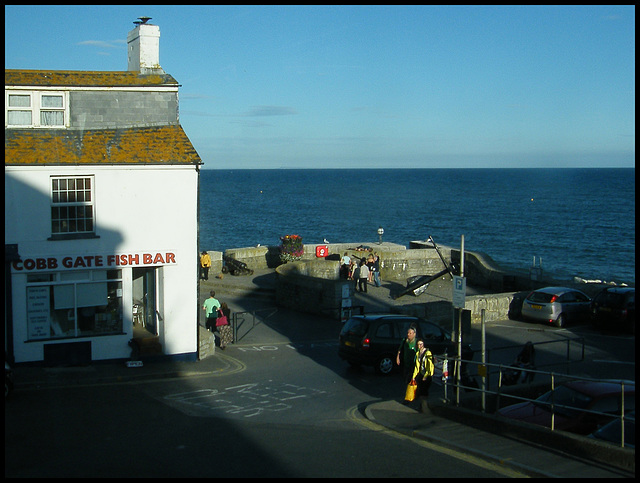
36,109
72,207
74,304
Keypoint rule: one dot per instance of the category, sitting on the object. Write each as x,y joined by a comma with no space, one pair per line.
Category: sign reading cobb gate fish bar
93,261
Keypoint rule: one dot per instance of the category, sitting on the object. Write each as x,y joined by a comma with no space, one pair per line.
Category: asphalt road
283,410
286,406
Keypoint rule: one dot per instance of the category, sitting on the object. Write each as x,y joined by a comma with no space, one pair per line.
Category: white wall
138,209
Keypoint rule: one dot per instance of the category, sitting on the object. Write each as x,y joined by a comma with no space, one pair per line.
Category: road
282,412
283,409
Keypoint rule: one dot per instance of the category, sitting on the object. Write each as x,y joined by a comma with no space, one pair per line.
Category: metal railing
239,319
554,379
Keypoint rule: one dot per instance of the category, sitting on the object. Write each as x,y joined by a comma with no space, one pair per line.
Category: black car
615,308
373,340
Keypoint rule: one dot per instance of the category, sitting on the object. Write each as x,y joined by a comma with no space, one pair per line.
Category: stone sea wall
313,285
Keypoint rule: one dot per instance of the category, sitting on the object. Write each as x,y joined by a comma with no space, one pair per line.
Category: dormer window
35,109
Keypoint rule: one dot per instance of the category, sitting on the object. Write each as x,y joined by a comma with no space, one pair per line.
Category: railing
574,352
551,405
238,320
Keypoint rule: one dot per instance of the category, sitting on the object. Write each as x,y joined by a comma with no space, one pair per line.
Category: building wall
121,109
138,211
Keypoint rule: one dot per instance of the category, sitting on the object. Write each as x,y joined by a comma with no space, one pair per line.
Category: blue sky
371,87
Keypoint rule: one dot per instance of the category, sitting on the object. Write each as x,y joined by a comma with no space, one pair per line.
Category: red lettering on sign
171,258
158,258
146,258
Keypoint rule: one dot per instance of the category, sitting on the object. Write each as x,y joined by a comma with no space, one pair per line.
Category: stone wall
313,284
206,343
312,287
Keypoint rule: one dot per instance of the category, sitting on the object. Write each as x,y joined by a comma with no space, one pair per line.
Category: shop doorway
145,310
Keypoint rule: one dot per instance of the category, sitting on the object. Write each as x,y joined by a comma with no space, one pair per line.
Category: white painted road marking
247,400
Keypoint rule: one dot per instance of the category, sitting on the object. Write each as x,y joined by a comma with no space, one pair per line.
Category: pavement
439,424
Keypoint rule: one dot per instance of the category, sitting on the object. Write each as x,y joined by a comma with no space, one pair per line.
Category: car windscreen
357,327
564,396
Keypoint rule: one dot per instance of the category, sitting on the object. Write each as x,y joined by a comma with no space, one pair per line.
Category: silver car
556,305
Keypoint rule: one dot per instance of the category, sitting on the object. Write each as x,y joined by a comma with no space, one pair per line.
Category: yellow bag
410,395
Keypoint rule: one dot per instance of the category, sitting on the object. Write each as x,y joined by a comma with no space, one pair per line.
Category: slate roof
55,147
73,78
144,145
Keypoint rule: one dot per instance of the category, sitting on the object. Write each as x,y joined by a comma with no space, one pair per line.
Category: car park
612,432
615,308
571,404
373,340
556,305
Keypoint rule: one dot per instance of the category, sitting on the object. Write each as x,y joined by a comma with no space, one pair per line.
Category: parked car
556,305
373,340
603,397
612,432
615,308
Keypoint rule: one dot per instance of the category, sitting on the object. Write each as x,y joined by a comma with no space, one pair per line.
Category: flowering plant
291,248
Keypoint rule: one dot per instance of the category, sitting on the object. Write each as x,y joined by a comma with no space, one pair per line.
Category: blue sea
575,222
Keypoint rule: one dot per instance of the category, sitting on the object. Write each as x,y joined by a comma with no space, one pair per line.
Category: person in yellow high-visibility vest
423,371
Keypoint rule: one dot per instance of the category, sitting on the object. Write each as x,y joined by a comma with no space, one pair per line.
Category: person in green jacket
406,356
210,307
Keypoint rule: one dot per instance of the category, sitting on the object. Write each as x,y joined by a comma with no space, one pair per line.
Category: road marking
354,416
246,400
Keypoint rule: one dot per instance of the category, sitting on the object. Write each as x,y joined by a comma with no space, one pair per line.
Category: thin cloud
270,111
115,44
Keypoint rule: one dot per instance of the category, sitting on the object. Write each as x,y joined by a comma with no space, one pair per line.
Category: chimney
143,47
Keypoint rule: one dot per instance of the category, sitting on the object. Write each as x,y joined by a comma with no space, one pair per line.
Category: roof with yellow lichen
72,78
168,145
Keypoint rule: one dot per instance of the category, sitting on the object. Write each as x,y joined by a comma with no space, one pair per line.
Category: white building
101,213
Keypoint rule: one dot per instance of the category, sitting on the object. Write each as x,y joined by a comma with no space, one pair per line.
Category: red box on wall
322,251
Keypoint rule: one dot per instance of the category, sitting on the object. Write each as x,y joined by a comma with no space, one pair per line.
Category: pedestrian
526,360
406,356
370,263
353,269
363,276
423,371
375,269
205,265
345,263
210,307
225,330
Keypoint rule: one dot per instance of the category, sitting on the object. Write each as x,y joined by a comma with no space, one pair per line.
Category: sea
571,222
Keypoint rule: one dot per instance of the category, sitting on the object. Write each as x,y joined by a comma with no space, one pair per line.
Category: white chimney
143,47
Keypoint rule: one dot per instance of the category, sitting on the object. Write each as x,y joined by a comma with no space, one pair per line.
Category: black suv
373,340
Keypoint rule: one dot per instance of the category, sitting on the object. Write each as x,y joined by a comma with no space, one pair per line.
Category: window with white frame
72,206
36,109
73,304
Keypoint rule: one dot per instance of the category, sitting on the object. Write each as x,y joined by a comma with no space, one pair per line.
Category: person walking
406,357
363,276
205,265
225,330
210,307
423,372
375,269
370,263
345,263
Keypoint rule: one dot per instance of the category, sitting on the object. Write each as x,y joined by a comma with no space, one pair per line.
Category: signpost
459,291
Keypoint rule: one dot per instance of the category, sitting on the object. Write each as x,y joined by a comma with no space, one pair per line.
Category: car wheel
561,321
384,365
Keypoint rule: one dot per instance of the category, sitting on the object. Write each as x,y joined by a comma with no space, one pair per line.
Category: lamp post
380,233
